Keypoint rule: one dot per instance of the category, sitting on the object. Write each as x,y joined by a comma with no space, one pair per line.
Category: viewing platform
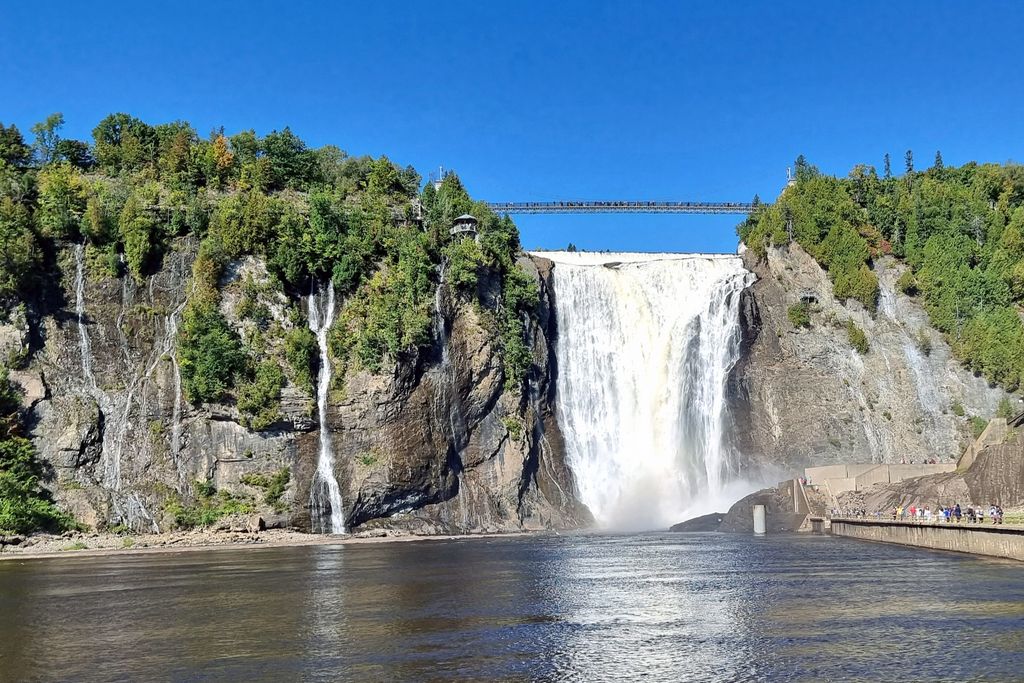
993,540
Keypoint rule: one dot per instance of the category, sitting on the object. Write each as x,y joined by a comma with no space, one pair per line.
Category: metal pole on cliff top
759,520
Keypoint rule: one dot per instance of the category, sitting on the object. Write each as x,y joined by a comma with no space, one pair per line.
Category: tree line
135,192
960,231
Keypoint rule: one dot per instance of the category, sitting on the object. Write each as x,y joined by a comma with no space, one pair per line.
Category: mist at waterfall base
644,346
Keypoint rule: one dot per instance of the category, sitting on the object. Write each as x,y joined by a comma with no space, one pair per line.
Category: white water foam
644,346
325,505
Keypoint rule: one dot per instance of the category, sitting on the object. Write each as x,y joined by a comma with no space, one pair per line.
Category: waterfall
326,515
84,344
644,346
447,402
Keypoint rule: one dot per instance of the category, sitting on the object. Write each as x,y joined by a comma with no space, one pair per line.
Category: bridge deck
621,207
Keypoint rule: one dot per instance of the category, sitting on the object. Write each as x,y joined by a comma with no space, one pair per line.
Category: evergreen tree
888,167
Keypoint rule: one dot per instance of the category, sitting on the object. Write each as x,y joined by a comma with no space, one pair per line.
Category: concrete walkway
992,540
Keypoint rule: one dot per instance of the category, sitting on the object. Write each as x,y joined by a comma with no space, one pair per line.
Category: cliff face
434,445
805,397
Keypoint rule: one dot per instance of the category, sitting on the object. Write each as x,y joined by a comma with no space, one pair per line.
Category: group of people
949,513
946,514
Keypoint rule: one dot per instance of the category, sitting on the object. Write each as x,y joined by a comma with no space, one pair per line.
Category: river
665,607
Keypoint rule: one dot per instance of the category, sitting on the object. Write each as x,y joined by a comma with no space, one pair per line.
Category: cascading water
644,347
83,332
447,403
128,508
326,513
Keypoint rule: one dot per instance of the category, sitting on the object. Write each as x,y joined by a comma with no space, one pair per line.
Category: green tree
123,142
19,253
47,134
24,505
210,353
259,399
62,201
13,150
139,230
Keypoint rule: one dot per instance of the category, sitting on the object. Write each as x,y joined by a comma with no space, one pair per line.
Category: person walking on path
957,513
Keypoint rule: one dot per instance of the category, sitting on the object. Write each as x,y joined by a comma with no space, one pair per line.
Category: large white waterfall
326,515
644,346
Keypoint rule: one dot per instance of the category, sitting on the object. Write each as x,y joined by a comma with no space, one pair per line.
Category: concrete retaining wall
991,540
842,478
994,434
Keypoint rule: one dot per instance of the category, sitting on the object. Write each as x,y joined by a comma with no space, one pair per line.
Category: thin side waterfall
448,399
325,506
83,332
116,409
447,402
644,346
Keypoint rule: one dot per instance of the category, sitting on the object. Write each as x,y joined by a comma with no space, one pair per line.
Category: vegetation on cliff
960,231
138,191
24,505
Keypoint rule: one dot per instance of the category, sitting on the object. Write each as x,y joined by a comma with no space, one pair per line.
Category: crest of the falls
326,514
644,346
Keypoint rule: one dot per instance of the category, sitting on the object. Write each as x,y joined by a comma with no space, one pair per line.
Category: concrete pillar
759,520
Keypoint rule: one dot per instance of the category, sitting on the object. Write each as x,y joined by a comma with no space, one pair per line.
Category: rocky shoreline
75,544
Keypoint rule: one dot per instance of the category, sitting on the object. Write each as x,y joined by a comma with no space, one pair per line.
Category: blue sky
540,100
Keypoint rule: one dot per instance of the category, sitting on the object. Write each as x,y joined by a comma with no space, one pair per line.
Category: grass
78,545
274,486
209,506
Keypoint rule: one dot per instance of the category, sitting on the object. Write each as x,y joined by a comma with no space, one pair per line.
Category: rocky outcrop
440,446
995,477
434,444
710,522
803,397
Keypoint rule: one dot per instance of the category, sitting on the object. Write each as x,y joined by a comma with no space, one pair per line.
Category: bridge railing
622,207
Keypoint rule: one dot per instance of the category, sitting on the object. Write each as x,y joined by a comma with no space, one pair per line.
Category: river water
661,607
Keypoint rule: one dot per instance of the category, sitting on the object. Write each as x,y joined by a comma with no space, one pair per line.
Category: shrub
907,283
24,506
923,341
858,339
514,426
259,399
958,408
800,314
209,353
274,486
1005,409
209,506
465,261
301,351
978,425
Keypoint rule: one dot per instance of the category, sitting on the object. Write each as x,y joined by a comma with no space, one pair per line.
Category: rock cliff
432,444
804,396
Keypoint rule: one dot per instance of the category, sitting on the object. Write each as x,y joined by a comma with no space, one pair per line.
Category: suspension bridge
621,207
